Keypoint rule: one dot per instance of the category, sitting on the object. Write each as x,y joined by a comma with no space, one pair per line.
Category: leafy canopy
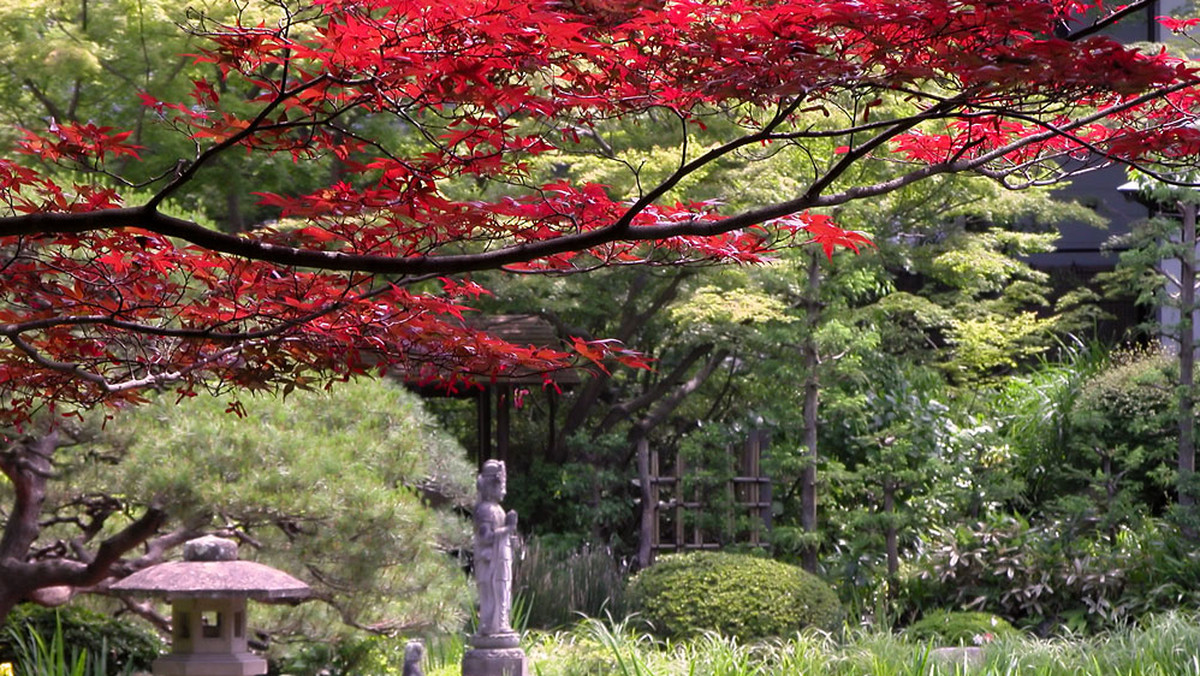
428,116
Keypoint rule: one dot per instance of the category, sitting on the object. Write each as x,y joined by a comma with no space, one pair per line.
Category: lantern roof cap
210,569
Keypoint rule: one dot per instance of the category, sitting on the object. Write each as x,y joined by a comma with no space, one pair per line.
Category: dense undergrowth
1163,645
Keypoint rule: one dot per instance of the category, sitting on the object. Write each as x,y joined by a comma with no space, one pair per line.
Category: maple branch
148,218
77,371
1113,18
853,155
186,173
1140,167
285,323
786,208
811,133
688,168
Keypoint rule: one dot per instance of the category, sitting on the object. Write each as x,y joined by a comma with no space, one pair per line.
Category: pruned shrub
1122,438
738,595
947,627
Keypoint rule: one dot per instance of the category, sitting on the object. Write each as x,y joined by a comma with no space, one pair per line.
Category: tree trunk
649,507
891,535
28,465
808,488
632,319
1187,359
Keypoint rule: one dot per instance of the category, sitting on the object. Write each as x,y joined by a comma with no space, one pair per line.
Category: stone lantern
208,591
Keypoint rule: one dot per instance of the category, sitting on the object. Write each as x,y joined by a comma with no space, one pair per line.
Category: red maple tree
104,296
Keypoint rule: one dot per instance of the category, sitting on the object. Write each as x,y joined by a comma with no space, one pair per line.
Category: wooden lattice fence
673,521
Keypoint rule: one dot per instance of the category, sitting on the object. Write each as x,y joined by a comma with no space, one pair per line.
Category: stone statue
494,533
414,652
495,647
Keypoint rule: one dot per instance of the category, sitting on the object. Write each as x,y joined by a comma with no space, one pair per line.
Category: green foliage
556,585
710,454
736,594
72,640
354,490
959,628
1128,398
1055,576
596,647
582,500
710,305
90,61
1034,412
997,343
907,456
983,263
346,656
1122,441
1161,645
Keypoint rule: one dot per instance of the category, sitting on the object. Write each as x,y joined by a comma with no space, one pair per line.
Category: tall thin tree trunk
808,490
1187,358
646,533
891,535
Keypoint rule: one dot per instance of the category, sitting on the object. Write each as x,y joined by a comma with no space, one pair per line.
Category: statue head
492,481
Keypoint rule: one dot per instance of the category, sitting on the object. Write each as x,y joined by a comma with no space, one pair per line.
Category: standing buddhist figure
494,533
495,647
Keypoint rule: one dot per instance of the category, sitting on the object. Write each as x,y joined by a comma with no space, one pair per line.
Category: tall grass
1166,645
37,655
554,586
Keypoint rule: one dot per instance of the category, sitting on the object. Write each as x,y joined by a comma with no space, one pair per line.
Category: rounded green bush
737,595
960,628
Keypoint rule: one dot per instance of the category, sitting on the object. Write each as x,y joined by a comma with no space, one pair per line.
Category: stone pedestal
209,665
495,655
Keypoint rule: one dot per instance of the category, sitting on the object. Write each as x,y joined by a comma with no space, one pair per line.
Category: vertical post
680,537
764,486
754,493
891,533
649,504
767,497
552,429
483,424
503,420
656,496
697,507
734,502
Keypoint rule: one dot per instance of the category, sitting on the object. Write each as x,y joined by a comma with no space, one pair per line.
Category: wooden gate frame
749,491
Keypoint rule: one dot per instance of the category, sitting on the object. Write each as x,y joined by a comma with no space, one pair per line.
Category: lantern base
209,664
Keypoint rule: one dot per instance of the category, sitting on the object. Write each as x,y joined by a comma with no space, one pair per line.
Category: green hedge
959,628
735,594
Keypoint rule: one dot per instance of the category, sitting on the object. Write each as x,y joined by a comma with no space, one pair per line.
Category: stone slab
212,664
